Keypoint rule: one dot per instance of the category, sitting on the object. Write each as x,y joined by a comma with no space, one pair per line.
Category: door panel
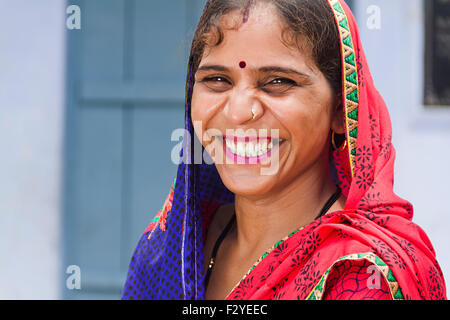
126,85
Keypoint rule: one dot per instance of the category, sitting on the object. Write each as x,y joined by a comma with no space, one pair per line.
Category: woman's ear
338,120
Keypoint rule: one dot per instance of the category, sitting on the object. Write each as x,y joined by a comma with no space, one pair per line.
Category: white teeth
241,149
250,149
230,144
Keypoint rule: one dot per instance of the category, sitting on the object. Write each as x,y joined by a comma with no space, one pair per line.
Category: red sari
369,250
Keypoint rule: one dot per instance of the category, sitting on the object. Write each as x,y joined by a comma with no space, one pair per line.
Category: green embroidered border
350,80
396,292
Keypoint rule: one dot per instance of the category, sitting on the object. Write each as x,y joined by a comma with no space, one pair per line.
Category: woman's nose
242,107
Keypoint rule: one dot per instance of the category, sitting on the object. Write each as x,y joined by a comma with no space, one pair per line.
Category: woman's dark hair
310,25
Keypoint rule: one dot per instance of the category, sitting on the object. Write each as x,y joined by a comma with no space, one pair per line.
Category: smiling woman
281,82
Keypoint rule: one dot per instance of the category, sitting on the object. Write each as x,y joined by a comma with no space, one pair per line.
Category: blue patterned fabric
170,264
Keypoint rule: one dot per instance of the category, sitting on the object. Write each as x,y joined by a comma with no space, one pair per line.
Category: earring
334,143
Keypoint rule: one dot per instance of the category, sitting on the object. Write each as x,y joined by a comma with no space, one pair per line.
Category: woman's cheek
203,109
196,114
305,132
202,105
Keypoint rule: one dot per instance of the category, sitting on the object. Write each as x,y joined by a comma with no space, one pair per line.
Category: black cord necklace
225,231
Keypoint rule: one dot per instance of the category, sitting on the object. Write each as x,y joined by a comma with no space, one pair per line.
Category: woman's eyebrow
262,69
213,68
283,70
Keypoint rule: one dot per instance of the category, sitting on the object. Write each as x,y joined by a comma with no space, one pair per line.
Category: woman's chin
245,180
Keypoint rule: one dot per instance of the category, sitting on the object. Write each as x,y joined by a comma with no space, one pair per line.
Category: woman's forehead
261,39
249,48
259,14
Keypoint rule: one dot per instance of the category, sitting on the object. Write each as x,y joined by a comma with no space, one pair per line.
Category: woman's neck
262,221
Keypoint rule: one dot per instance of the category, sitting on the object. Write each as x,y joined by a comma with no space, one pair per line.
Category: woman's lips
246,139
250,150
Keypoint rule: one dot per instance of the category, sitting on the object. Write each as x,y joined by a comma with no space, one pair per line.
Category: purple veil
169,264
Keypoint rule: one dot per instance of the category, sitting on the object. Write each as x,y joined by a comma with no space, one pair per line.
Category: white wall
421,136
32,80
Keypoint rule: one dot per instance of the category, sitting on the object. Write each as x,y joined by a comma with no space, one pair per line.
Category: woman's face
283,87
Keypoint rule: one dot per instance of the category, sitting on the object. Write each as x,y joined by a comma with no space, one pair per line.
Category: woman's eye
279,85
282,81
219,79
277,81
217,83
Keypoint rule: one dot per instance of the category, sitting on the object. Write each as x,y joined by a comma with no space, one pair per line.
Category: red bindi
242,64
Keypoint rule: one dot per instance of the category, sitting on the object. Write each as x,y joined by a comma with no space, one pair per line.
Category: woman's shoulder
362,276
356,280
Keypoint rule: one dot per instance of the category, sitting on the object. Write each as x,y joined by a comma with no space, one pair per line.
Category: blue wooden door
125,95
